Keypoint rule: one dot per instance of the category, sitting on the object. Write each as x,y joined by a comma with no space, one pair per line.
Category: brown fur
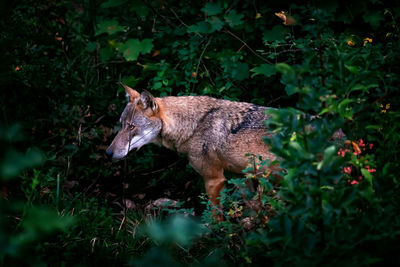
214,134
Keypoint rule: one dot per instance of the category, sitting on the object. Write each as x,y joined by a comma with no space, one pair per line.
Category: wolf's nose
109,153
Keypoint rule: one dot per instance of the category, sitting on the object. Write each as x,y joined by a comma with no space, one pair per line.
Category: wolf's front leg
214,185
214,179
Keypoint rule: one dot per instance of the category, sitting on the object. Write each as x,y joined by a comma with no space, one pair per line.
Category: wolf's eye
131,126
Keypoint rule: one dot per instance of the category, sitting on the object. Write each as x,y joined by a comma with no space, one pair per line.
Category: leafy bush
23,225
332,209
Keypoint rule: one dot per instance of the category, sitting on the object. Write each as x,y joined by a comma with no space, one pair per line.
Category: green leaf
353,69
15,162
297,149
328,187
358,87
266,69
291,89
140,8
241,71
287,225
328,155
131,81
344,110
368,176
330,108
157,85
43,221
288,78
212,9
236,70
277,33
233,18
105,54
109,27
201,27
91,47
374,18
344,103
133,47
146,45
362,87
284,68
216,24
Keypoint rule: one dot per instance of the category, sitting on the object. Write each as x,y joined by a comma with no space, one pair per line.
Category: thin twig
283,51
321,61
273,100
166,19
243,42
209,74
177,64
176,16
181,21
201,56
122,222
202,53
229,80
162,169
153,29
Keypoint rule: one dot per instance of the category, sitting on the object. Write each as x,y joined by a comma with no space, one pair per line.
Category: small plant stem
321,218
321,59
319,198
58,190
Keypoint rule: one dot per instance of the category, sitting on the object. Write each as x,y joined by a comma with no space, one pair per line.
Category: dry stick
244,43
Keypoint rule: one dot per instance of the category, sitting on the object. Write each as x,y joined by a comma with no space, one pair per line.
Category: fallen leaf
286,18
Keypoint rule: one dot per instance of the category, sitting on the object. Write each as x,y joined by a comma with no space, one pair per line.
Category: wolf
214,134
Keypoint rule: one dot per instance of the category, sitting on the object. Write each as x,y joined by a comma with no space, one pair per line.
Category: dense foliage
326,66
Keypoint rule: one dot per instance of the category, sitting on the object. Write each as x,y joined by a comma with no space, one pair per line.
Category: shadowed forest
326,66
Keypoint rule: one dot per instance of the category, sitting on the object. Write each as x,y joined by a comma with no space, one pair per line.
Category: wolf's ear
131,94
148,100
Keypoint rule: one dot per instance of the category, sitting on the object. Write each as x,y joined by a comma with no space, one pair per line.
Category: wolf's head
140,124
